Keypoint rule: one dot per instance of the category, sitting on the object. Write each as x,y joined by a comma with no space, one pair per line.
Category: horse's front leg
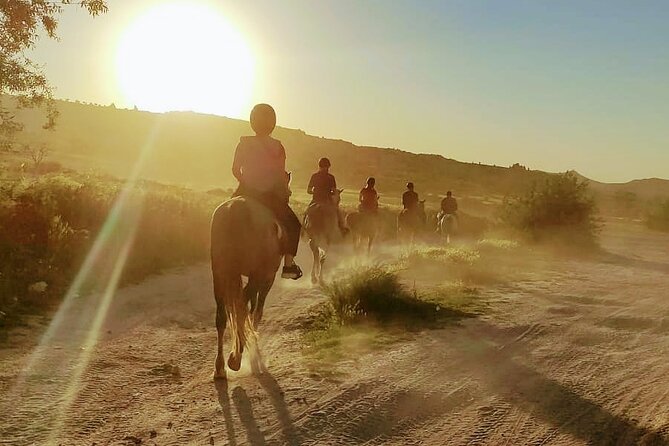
322,255
316,265
221,319
220,291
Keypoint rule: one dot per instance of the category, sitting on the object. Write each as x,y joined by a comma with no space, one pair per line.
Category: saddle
260,210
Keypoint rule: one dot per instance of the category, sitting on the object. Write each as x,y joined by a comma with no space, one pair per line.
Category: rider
322,186
369,199
260,167
449,205
409,198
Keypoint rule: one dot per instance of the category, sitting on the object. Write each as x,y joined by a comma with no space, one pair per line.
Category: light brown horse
447,225
245,241
411,222
321,223
364,227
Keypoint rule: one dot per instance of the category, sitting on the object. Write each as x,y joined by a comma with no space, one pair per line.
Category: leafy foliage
561,205
21,22
48,224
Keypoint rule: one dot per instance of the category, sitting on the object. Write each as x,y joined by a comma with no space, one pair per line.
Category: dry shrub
561,208
375,293
657,216
48,225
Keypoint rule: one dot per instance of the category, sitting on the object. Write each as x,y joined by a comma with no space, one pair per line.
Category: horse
411,221
321,223
446,224
246,241
363,225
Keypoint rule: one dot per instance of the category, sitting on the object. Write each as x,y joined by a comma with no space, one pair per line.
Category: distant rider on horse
260,167
322,186
449,206
410,199
369,199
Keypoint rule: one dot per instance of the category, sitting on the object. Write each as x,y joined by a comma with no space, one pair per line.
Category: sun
185,56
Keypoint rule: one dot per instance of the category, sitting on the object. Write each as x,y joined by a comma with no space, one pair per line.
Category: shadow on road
275,393
224,401
503,369
617,259
247,418
245,411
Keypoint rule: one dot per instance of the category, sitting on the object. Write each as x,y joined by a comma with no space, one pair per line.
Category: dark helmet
410,185
324,162
263,119
371,181
449,193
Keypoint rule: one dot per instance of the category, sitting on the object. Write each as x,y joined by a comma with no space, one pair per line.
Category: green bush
48,225
374,292
658,216
562,206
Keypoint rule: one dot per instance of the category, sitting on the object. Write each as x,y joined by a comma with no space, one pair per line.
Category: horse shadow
244,407
224,401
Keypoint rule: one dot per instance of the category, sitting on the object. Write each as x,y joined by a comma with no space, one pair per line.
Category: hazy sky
554,85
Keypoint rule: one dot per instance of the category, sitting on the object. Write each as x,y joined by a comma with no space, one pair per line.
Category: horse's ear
340,190
422,201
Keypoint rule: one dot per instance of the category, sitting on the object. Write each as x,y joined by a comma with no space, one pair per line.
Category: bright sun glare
185,56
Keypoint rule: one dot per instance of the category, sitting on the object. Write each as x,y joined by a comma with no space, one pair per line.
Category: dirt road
575,353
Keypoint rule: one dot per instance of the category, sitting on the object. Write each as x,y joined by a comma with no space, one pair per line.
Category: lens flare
65,350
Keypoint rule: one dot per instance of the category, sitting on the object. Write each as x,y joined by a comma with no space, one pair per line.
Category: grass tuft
375,292
369,307
492,244
457,255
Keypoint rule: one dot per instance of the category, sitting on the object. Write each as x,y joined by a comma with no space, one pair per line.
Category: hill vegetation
59,225
195,150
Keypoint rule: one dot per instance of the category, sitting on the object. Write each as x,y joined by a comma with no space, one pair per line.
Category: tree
37,154
21,22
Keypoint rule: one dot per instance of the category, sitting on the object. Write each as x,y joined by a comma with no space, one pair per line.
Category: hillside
196,150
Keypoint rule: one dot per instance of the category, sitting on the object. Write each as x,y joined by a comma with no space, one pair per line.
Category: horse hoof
234,363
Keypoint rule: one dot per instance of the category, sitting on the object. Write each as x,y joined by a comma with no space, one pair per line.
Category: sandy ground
574,353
